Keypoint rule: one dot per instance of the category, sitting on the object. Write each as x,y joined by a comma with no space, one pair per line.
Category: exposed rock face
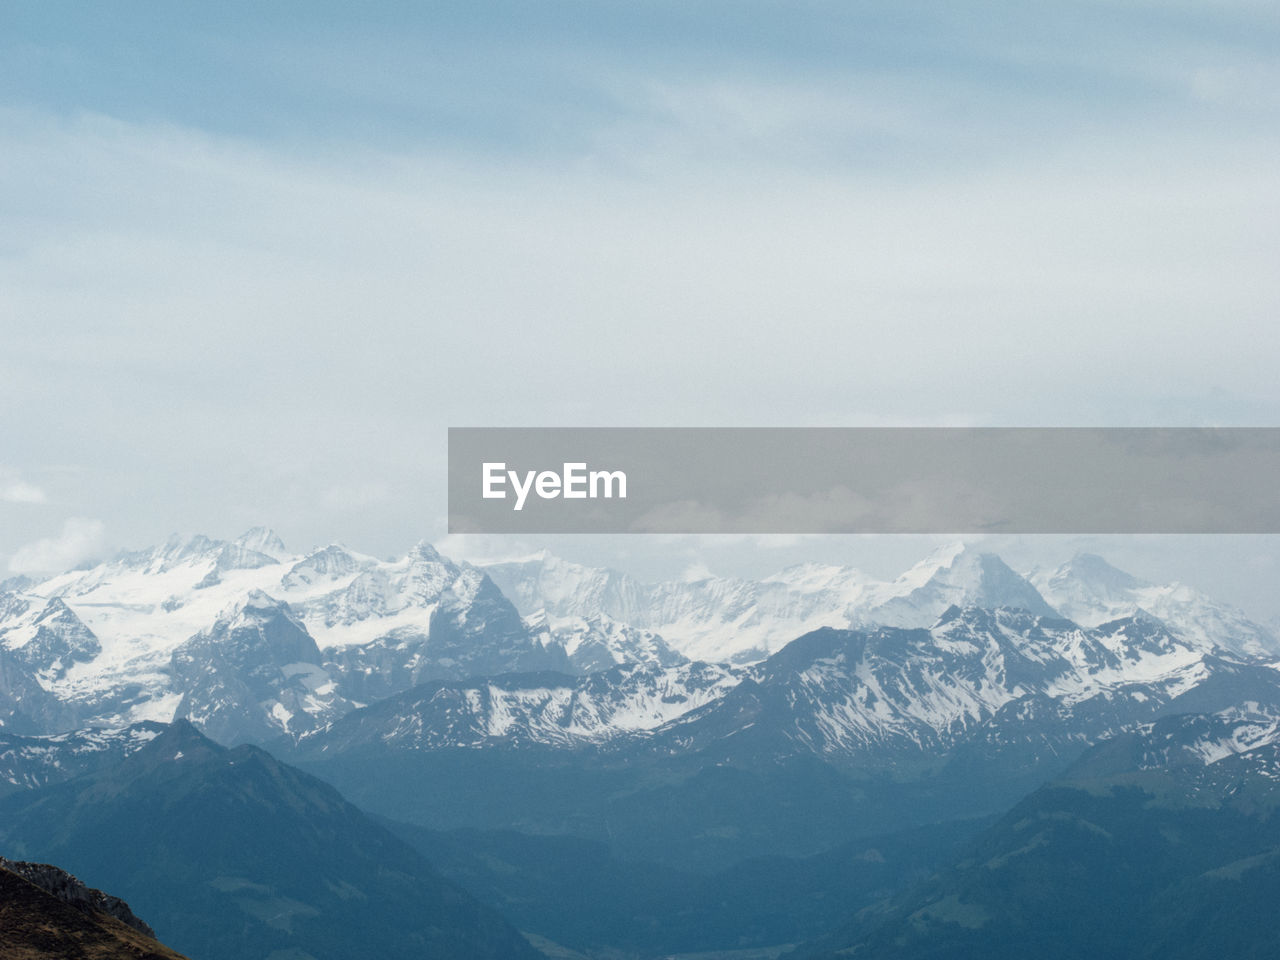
254,674
69,890
61,640
25,706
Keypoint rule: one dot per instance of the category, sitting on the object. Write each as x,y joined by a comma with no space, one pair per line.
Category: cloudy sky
256,258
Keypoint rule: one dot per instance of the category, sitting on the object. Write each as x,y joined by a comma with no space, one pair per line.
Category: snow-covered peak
177,550
16,584
326,565
396,622
1088,584
55,609
424,552
847,582
1248,730
262,540
938,560
1091,570
1090,591
255,610
563,588
978,574
260,602
992,583
961,577
599,642
728,619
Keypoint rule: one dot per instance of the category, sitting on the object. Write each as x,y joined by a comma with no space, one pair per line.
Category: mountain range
735,620
841,733
246,639
252,642
303,736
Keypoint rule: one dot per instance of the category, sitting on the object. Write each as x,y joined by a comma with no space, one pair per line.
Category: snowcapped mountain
599,642
884,695
30,762
1189,741
551,709
837,704
59,640
25,705
1090,591
874,697
954,576
254,673
247,639
742,621
839,732
252,642
715,619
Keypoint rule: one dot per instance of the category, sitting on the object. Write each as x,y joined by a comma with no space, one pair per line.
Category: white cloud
356,496
484,548
14,489
696,572
1078,279
80,540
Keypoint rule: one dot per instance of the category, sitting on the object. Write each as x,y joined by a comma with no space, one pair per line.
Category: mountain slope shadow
232,854
1158,844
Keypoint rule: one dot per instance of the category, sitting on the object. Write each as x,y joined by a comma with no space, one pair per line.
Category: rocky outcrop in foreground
47,914
58,883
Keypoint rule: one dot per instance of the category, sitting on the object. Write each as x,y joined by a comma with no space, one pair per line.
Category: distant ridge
236,856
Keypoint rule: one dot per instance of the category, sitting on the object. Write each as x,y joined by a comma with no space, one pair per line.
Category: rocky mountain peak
424,552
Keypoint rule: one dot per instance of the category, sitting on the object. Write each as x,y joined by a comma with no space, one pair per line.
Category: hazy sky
255,258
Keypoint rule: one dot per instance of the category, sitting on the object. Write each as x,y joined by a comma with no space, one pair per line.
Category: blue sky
255,258
530,80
